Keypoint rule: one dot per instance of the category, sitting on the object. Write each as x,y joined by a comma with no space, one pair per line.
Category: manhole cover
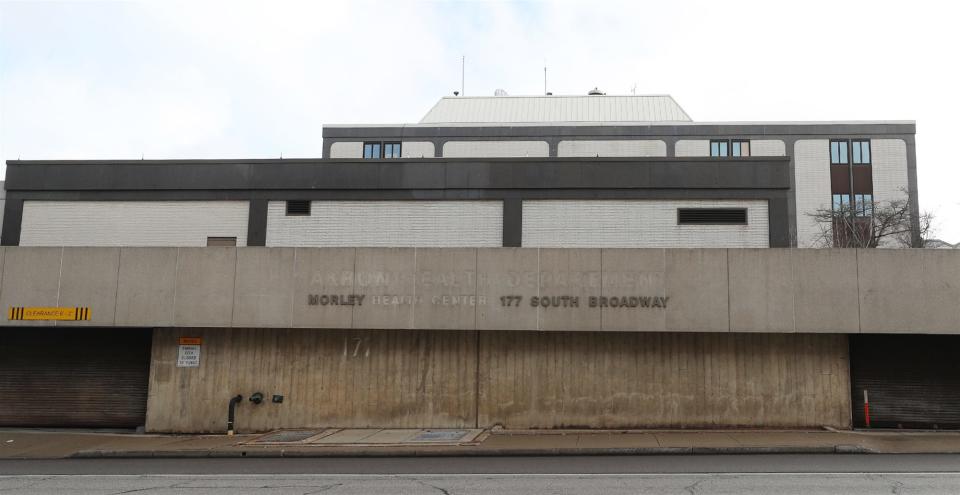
440,436
287,436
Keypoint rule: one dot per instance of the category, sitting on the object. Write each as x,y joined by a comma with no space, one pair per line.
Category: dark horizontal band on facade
402,174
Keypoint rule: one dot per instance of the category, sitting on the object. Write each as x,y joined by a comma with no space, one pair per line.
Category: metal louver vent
298,208
711,216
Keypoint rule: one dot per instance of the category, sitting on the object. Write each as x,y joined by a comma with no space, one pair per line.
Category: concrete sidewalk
52,444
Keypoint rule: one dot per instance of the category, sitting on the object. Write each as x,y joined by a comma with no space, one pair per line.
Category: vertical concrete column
512,222
12,217
257,223
915,240
779,222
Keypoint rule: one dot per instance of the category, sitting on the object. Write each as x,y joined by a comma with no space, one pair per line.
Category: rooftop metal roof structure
555,109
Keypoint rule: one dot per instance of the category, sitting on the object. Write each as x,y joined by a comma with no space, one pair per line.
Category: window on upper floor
855,151
378,149
729,147
391,150
838,152
860,151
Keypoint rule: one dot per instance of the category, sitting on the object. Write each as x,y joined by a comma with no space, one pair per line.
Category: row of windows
862,206
378,150
729,147
685,216
844,152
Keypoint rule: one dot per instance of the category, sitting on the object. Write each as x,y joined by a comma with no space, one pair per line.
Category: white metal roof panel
553,109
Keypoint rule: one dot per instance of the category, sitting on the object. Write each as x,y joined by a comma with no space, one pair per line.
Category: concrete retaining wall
456,379
640,290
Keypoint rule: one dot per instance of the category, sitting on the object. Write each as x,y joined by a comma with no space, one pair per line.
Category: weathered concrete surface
634,273
205,282
146,286
264,288
762,290
701,290
696,283
572,273
446,289
386,277
505,272
550,380
88,278
322,272
457,379
31,277
898,287
334,378
825,295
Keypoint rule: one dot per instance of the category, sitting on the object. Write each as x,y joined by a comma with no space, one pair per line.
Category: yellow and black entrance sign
62,314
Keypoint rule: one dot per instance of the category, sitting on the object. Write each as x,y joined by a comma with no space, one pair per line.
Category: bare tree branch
886,223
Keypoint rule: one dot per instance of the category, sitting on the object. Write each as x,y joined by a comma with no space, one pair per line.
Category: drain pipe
231,412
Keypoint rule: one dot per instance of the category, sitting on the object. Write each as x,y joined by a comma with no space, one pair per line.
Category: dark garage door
74,377
913,381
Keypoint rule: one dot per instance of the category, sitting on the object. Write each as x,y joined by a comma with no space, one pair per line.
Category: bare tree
880,224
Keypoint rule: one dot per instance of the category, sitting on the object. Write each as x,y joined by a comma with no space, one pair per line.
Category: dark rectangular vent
711,216
301,208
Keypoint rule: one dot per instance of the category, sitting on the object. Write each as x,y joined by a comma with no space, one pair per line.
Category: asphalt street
780,474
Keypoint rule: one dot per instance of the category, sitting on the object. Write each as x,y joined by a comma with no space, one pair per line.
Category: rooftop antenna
463,71
545,78
634,89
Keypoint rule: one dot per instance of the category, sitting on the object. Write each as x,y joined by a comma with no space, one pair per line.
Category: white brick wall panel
495,149
767,147
132,223
613,147
691,147
812,175
347,149
638,223
889,157
388,224
417,149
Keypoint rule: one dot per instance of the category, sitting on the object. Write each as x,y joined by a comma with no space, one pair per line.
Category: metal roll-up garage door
74,377
913,381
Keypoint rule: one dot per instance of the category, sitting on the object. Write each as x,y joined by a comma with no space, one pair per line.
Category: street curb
278,453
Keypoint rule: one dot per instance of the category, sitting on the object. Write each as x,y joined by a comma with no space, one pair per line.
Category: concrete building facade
541,262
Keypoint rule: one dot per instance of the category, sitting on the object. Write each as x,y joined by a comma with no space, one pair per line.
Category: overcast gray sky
167,79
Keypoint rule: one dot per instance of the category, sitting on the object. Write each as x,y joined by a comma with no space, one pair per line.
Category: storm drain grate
440,436
287,436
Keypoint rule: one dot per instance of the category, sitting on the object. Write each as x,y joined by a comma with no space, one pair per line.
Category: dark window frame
849,143
728,143
396,148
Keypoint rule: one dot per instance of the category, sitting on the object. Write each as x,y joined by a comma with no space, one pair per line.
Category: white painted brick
417,149
812,174
132,223
495,149
347,149
388,224
889,157
691,147
767,147
613,147
638,223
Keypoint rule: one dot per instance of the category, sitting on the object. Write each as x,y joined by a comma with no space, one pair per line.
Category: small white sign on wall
188,355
